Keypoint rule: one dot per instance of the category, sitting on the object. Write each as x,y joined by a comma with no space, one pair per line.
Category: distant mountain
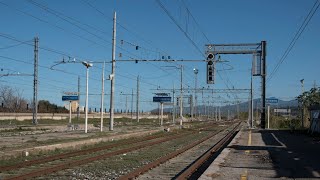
243,107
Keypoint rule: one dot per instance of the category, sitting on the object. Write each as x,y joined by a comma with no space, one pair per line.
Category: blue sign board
272,100
70,98
161,99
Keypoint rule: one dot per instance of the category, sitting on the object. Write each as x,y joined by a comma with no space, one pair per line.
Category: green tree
308,99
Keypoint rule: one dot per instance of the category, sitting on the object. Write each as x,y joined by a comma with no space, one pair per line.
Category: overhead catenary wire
294,40
186,34
122,26
51,50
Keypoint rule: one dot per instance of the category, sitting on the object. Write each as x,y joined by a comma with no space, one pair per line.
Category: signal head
210,56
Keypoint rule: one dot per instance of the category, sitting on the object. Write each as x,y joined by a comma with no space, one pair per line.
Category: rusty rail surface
73,154
78,153
74,163
163,159
70,164
195,165
156,163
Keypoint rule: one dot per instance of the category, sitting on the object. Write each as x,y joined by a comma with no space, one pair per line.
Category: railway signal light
210,69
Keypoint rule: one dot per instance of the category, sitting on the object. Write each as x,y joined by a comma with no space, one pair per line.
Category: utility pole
191,106
196,71
70,112
263,76
269,117
137,99
238,112
208,109
35,82
87,97
126,104
216,114
181,94
161,119
102,98
251,104
78,110
205,107
112,76
132,104
174,106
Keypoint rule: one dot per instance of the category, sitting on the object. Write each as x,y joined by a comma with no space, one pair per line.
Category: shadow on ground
293,155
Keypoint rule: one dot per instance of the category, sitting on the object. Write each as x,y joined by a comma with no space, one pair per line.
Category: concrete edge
214,168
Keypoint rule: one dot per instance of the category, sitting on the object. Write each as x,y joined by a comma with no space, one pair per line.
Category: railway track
184,163
51,164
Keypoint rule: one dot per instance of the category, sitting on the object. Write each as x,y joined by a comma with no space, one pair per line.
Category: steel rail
197,164
163,159
70,164
73,154
74,163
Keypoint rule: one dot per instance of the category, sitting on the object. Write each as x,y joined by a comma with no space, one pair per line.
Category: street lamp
87,65
196,71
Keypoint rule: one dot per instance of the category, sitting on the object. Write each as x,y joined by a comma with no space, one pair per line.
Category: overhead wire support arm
255,49
161,60
19,74
210,90
242,48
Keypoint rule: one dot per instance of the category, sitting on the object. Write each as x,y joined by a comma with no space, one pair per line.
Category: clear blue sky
144,23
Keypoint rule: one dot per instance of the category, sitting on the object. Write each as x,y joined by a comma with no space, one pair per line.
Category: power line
47,22
186,34
180,28
295,38
194,19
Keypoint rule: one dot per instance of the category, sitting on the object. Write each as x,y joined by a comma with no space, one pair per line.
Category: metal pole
86,106
113,72
238,111
302,105
191,106
251,106
137,113
78,110
216,114
174,105
159,113
268,117
69,112
208,110
181,94
161,122
102,98
35,82
132,104
195,94
219,114
126,104
263,76
205,107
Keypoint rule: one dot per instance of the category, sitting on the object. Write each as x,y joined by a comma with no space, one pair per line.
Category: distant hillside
243,107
